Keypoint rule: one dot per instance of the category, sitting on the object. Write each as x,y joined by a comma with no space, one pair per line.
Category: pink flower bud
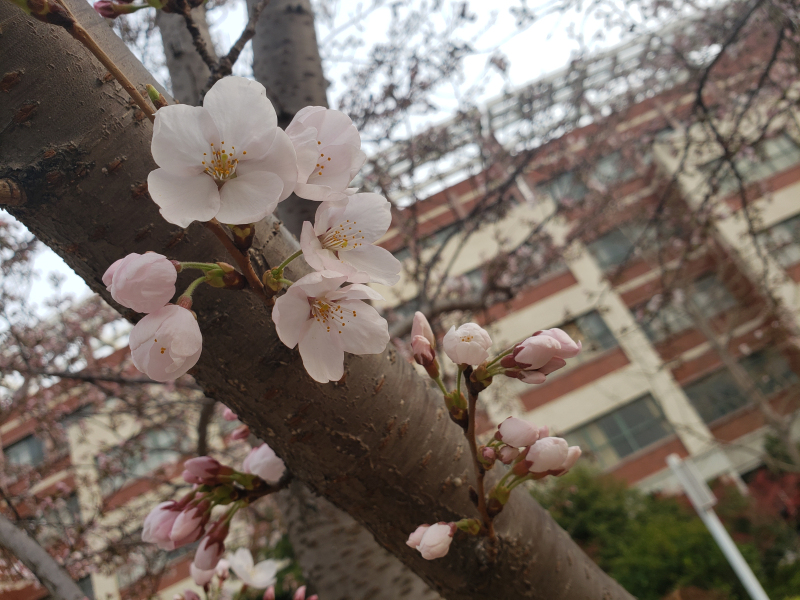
421,327
263,462
200,577
241,433
190,595
300,594
106,9
158,525
535,352
532,377
211,547
569,347
489,456
544,431
423,351
547,454
269,594
192,478
229,415
436,541
190,523
142,282
469,344
517,432
166,343
573,454
207,469
222,569
508,454
415,538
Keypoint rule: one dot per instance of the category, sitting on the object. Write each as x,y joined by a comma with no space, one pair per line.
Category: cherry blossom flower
435,540
467,345
326,321
517,432
166,343
328,150
142,282
199,576
258,576
263,462
227,159
343,236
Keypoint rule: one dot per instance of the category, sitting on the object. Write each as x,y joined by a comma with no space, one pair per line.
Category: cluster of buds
539,355
173,524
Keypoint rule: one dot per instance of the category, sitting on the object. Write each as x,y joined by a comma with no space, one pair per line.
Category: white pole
703,501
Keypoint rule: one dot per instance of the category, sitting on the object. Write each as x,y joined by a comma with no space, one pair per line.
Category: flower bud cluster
539,355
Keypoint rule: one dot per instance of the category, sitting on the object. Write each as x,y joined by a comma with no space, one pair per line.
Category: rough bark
378,445
286,61
47,570
341,558
188,73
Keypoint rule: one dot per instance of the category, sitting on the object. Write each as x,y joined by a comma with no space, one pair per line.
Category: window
591,330
29,451
566,189
708,293
622,432
65,513
783,241
158,447
616,246
717,395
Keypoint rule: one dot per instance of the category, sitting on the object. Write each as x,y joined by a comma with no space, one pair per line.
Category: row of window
641,423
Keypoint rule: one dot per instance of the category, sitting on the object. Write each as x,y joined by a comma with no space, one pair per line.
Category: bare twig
480,472
242,260
202,426
197,36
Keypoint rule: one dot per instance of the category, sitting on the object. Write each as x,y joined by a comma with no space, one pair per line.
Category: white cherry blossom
166,343
343,236
258,576
328,150
143,282
326,321
469,344
226,159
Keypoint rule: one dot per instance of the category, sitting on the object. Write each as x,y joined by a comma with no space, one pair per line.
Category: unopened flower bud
190,523
547,454
200,577
421,328
416,537
158,101
569,347
208,469
517,432
269,594
487,456
263,462
469,344
300,594
241,433
507,454
436,541
573,454
229,415
190,595
211,547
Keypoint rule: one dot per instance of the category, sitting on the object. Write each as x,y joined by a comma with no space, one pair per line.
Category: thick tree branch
40,563
392,459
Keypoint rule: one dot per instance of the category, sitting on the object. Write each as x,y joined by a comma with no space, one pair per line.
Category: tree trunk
286,61
378,445
187,71
47,570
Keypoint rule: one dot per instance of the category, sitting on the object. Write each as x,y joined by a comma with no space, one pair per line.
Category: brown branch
480,471
202,425
110,379
224,66
197,36
47,570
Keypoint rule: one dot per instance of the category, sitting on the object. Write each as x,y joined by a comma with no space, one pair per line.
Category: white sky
542,48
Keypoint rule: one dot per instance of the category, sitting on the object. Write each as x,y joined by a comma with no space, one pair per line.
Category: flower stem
193,286
242,260
480,472
458,380
283,265
440,383
505,352
286,282
199,265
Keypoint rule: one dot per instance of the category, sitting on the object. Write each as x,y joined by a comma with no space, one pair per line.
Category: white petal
372,213
311,247
307,150
280,160
365,333
322,357
290,315
320,283
249,198
184,199
334,128
378,263
355,292
243,114
337,173
329,213
181,134
298,124
312,192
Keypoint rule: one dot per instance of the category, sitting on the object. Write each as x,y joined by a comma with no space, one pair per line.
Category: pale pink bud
199,576
421,327
166,343
436,541
269,594
189,477
423,352
142,282
531,377
314,597
554,364
209,552
222,569
190,595
535,352
229,415
190,522
300,594
544,431
241,433
415,538
263,462
569,347
508,454
206,468
106,9
489,456
158,525
573,454
517,432
547,454
469,344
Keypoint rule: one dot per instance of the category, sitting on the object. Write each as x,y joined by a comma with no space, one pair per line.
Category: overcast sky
535,50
